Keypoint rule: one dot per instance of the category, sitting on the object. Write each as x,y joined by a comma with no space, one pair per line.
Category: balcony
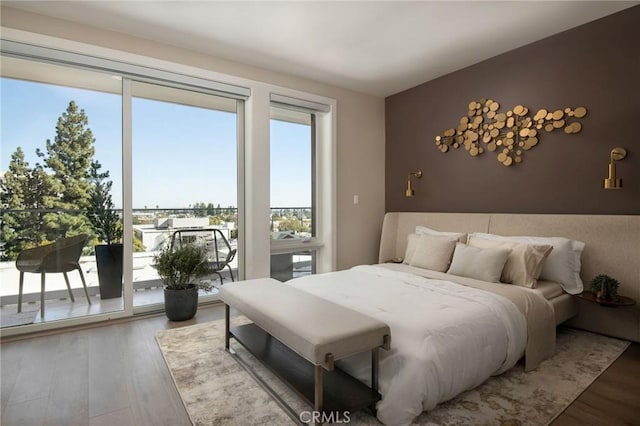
154,228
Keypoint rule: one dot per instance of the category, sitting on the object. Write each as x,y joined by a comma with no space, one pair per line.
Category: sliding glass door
185,181
61,175
62,181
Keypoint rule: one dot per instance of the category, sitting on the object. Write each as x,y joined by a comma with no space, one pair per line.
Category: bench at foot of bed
299,336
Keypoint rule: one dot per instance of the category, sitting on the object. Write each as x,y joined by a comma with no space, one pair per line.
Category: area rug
13,319
216,390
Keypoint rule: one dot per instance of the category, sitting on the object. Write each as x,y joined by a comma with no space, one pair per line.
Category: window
134,113
185,176
59,125
186,148
293,192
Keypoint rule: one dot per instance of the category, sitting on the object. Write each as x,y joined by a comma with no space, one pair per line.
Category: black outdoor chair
219,251
61,256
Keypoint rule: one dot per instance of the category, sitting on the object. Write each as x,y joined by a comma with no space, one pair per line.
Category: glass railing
152,229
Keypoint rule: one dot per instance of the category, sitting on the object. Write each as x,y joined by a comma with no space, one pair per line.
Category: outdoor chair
219,251
61,256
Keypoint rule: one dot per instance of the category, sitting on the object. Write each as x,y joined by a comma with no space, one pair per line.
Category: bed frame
612,247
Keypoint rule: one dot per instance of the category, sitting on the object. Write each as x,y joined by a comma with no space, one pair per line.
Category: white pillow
562,264
423,230
524,264
433,252
482,264
412,241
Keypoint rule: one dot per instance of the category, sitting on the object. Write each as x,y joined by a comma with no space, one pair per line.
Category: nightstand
620,300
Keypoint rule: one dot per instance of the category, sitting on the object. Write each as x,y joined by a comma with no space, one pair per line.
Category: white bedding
445,337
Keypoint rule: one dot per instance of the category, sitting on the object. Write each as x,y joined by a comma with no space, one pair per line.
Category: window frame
316,242
253,122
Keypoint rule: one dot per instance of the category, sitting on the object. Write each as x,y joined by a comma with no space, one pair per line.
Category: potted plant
108,228
181,268
605,287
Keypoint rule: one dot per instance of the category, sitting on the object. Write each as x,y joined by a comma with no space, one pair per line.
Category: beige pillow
482,264
423,230
524,264
412,240
433,252
563,263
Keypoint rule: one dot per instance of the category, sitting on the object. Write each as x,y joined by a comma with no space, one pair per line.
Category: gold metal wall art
509,133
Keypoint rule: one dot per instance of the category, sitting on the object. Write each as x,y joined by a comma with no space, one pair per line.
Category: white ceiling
375,47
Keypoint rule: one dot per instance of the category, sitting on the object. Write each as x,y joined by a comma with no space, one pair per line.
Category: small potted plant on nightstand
181,269
605,288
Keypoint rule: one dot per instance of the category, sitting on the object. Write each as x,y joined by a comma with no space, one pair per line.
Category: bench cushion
311,326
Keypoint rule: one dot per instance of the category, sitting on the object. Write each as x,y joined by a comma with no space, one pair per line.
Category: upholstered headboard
612,247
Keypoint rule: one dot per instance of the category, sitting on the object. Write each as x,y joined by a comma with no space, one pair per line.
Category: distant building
155,236
180,222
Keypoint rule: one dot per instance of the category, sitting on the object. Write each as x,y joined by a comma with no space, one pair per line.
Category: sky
181,154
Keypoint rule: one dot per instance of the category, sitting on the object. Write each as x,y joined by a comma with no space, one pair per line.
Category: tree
69,158
211,210
292,224
199,209
100,212
25,194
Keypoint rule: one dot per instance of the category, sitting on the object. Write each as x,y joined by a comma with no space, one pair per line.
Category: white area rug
217,391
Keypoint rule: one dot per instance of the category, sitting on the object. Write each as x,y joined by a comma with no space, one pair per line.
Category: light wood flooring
115,375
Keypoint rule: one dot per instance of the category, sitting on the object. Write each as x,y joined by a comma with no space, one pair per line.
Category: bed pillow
412,240
524,264
433,252
423,230
562,264
484,264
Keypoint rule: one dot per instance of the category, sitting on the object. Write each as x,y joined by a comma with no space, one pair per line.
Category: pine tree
25,195
101,214
69,158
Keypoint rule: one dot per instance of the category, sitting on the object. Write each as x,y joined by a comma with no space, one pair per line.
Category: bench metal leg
374,376
226,326
317,373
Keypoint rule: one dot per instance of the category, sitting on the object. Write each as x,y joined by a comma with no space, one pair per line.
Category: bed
448,333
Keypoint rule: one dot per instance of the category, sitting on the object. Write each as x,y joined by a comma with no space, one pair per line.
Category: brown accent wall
596,65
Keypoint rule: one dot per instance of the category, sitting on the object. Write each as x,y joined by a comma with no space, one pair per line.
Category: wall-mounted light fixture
410,192
613,182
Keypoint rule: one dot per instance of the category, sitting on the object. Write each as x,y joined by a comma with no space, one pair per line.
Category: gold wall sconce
613,182
410,191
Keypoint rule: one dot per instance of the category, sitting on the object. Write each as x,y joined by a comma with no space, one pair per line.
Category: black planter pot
181,305
109,261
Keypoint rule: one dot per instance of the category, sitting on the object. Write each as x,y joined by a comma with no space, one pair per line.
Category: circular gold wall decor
513,131
580,112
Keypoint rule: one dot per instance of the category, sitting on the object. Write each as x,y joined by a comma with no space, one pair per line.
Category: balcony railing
286,222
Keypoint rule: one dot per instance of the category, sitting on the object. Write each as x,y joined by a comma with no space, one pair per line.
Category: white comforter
445,337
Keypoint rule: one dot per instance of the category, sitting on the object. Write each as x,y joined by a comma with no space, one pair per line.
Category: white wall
360,125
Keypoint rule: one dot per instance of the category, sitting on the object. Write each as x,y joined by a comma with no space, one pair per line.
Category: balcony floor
60,309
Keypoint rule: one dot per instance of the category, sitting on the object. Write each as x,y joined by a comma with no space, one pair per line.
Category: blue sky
181,154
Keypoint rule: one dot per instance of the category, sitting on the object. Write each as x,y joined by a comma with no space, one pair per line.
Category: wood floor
115,375
613,399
